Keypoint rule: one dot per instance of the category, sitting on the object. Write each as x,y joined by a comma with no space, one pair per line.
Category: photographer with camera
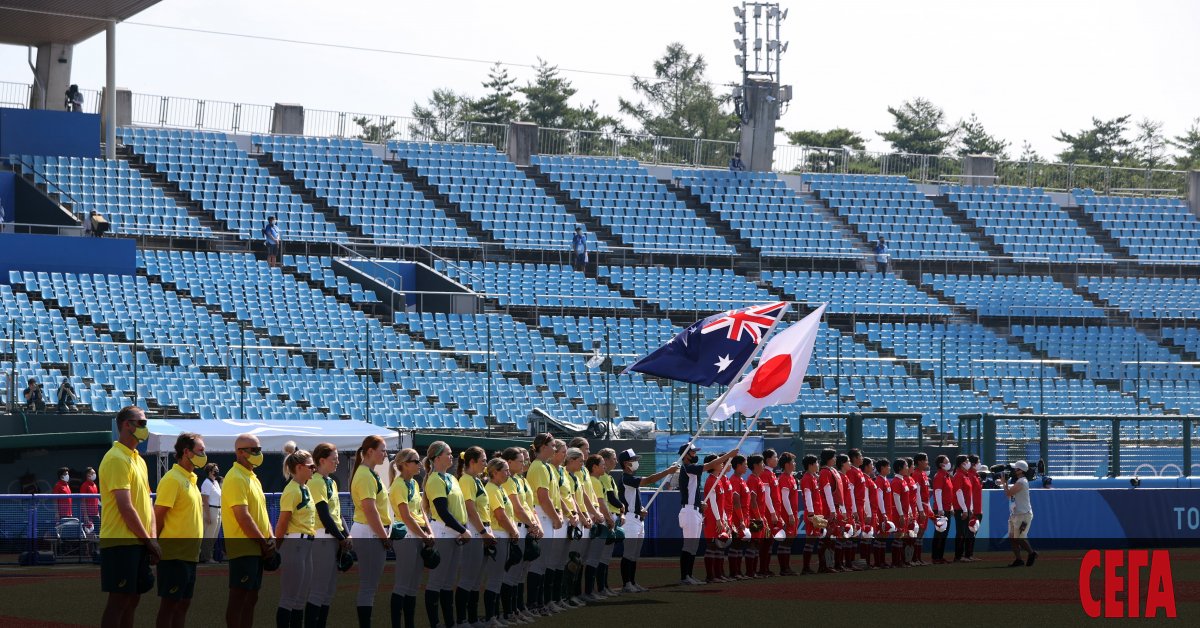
35,399
1021,514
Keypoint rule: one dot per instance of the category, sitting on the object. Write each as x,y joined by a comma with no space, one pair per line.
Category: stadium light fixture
758,44
740,27
773,12
739,11
739,60
757,11
773,45
739,44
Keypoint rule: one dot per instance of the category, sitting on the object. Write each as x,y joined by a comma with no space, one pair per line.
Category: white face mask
64,477
633,466
91,477
945,466
966,466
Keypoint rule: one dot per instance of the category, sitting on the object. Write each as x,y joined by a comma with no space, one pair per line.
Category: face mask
141,433
64,477
255,459
633,466
199,460
966,466
91,477
945,466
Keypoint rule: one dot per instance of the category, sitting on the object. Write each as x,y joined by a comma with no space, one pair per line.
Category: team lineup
530,531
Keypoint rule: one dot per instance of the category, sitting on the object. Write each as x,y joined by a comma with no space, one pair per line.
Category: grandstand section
1013,295
1026,224
1152,230
856,292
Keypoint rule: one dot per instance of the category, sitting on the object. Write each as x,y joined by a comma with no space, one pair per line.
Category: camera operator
1021,513
35,399
67,398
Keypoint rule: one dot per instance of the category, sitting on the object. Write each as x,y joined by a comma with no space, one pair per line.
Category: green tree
1150,145
441,118
679,102
1028,153
547,98
975,140
1104,144
1189,145
497,106
376,131
833,138
920,127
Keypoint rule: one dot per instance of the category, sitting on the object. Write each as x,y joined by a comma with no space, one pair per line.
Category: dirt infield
988,590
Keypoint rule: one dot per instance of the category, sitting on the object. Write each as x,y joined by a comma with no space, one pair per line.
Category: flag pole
725,465
761,343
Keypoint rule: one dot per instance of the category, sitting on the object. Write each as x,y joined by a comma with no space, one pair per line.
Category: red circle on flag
771,375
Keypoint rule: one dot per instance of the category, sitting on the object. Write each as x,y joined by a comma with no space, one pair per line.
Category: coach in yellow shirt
248,539
127,532
178,511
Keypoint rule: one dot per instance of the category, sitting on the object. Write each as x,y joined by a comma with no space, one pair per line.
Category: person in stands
579,247
73,100
736,164
271,237
882,255
66,397
35,398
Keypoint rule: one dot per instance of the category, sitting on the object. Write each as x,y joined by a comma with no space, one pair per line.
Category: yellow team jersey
566,494
584,492
367,485
540,476
474,493
610,485
407,492
443,485
529,498
512,488
596,485
123,469
297,500
183,525
242,488
497,496
325,489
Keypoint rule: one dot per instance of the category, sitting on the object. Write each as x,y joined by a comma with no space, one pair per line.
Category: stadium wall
63,254
8,196
50,133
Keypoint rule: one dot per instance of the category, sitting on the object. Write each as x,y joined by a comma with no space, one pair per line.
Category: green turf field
985,593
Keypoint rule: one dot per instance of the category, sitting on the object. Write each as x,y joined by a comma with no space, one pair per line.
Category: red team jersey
830,483
787,481
883,489
962,483
914,496
900,488
713,497
848,499
813,500
922,479
745,513
862,496
977,493
944,482
727,498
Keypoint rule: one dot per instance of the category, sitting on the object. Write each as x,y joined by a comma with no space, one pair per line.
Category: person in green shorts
248,541
128,544
178,511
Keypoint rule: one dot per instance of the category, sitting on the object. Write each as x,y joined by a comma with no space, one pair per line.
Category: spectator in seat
736,164
67,398
63,487
35,398
579,246
271,236
74,99
89,508
882,255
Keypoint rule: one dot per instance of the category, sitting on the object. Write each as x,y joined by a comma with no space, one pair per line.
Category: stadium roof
37,22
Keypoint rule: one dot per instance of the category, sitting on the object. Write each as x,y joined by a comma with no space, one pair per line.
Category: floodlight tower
760,99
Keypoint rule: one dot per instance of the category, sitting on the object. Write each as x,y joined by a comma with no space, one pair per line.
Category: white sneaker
630,588
579,601
640,588
559,607
611,592
692,581
598,596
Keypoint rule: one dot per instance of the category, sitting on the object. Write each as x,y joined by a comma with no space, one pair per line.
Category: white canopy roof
219,435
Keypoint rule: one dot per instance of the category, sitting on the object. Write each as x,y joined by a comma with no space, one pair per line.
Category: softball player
330,532
372,523
294,536
448,522
405,495
471,464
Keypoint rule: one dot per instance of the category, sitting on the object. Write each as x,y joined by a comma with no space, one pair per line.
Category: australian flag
713,350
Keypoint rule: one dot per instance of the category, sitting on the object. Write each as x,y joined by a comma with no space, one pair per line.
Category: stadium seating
129,202
214,172
365,190
1013,295
856,292
1161,230
706,289
623,196
543,285
768,213
1148,297
965,350
624,339
1026,223
895,209
495,193
1108,352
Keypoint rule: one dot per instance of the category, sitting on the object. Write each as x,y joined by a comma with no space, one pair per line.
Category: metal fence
215,115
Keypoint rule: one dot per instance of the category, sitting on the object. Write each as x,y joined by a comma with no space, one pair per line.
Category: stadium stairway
318,202
846,230
973,231
593,224
747,255
172,190
1101,235
452,209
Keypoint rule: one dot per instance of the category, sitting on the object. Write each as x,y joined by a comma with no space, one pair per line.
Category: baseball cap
626,456
1022,465
686,447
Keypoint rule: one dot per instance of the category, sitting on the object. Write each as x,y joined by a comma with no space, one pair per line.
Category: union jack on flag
713,350
752,320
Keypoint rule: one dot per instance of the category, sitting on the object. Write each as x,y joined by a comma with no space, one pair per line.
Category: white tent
219,435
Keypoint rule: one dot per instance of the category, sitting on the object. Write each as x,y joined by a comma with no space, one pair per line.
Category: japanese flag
779,375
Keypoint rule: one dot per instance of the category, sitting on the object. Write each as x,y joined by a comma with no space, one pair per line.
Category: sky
1027,69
